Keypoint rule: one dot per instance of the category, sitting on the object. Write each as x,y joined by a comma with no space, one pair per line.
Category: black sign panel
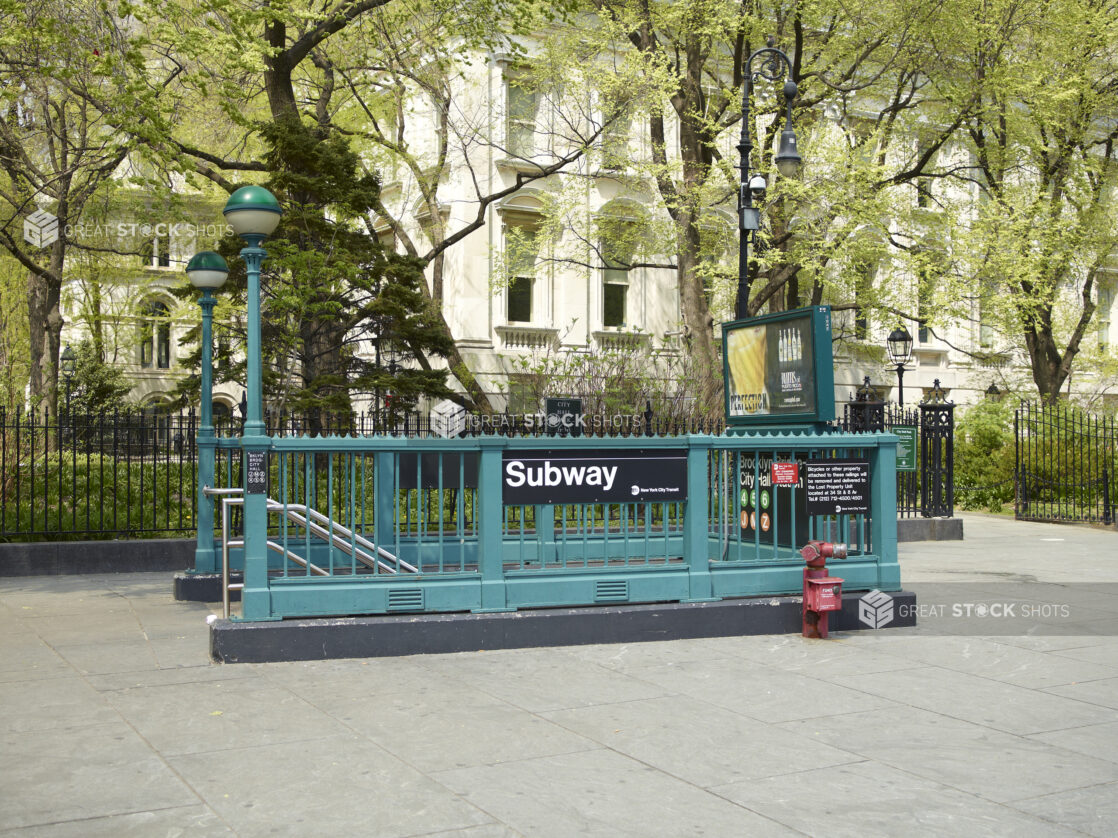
421,471
765,509
256,472
564,476
564,417
838,487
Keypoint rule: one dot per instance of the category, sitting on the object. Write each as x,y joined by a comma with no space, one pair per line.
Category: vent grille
405,599
611,591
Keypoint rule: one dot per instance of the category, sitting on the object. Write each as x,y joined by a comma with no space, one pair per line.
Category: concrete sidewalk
116,723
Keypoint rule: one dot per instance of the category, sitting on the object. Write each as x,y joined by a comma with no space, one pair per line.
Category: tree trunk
44,322
698,322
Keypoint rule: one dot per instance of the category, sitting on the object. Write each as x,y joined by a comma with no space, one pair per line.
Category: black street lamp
899,344
787,158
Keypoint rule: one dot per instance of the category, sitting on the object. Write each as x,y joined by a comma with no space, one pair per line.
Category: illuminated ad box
779,368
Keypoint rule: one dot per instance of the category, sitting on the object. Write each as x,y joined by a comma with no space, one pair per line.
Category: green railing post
205,557
696,520
545,532
491,525
883,511
384,502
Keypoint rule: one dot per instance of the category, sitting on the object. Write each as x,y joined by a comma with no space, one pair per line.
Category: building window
155,336
617,123
1106,300
615,282
155,253
523,111
864,275
147,253
986,314
222,415
925,296
622,231
614,302
520,300
521,250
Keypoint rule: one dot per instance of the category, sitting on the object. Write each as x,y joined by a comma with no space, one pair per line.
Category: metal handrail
337,535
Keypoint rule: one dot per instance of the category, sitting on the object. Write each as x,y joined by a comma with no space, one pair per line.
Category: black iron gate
929,490
1065,461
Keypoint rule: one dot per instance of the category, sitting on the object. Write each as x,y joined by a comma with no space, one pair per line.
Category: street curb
60,558
929,529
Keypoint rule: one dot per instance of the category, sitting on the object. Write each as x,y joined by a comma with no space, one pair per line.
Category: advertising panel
779,368
565,476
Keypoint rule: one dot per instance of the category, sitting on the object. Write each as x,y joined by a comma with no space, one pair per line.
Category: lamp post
787,159
254,213
899,344
207,272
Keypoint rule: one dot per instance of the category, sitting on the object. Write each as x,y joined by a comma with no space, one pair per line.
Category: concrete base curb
57,558
929,529
388,636
204,587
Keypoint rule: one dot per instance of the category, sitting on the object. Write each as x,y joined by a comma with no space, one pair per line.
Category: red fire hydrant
822,593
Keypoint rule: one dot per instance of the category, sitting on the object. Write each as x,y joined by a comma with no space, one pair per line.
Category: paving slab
867,798
327,786
602,793
220,715
1092,810
196,821
948,751
698,742
72,773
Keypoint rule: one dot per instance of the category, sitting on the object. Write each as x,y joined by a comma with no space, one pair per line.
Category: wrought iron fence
1064,464
110,475
928,491
134,473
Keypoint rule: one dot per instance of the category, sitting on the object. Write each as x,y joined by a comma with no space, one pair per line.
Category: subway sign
566,476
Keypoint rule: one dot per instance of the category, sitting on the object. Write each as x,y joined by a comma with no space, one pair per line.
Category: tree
317,81
96,387
845,58
75,95
13,334
1043,141
332,286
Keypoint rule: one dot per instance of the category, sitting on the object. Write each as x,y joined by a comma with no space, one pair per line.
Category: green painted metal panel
907,447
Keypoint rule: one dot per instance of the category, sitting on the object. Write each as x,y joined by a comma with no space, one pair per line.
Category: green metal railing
420,525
